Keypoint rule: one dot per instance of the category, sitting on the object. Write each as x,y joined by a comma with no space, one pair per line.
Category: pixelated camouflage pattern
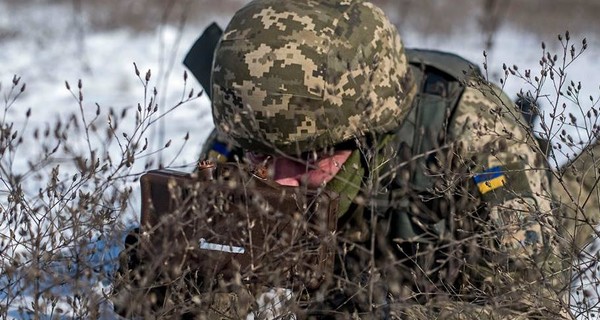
488,126
293,76
486,121
300,75
494,132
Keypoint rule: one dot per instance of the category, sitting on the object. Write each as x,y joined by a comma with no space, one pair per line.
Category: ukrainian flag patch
490,179
219,152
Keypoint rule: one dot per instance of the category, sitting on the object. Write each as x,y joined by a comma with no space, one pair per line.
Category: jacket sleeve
511,176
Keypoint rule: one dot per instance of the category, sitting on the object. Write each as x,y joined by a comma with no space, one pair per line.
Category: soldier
444,211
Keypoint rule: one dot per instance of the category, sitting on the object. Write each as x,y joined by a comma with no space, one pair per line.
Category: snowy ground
45,55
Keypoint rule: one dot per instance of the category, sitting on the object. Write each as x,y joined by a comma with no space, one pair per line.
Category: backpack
441,79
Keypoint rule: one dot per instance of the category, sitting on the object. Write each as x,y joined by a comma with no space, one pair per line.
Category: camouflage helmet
295,76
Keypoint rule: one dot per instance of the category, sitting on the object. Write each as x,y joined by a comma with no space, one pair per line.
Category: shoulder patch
219,152
502,183
490,179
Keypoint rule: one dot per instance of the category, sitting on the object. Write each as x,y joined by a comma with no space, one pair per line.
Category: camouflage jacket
458,197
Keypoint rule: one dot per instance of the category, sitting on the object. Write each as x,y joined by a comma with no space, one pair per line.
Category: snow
45,55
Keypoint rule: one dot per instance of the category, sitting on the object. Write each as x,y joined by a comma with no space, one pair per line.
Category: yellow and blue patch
490,179
219,152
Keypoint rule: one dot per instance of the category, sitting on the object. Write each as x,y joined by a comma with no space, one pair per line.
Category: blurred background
540,17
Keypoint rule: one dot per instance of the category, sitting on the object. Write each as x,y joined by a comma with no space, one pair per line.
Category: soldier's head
291,77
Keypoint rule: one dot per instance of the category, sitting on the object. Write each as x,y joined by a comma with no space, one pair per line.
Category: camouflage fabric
521,211
492,255
483,123
293,76
524,275
296,76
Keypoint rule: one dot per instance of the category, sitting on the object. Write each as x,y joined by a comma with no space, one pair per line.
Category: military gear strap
440,77
413,220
